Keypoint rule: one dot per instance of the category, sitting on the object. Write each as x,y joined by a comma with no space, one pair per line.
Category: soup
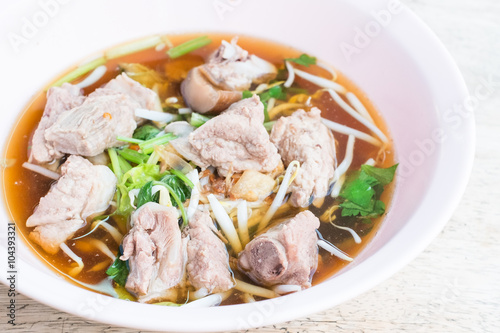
215,168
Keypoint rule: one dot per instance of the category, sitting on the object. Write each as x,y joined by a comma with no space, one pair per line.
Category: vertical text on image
11,272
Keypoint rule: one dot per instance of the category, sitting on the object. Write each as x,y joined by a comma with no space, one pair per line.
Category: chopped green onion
274,92
182,177
147,147
197,119
129,140
133,47
80,71
124,165
133,156
246,94
277,92
266,114
188,46
115,163
153,158
269,125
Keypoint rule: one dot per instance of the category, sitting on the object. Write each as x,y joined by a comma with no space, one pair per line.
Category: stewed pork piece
285,254
92,127
155,252
208,260
203,97
304,138
75,124
147,98
82,190
218,83
236,140
59,100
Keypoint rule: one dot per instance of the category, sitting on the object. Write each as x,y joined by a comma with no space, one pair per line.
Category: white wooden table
453,286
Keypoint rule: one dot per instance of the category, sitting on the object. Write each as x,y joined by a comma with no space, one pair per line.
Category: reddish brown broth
23,188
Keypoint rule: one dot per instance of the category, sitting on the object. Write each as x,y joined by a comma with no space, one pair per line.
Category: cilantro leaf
146,132
303,59
383,176
379,208
118,271
358,192
374,209
362,191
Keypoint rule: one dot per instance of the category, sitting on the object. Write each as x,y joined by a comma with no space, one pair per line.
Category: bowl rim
282,308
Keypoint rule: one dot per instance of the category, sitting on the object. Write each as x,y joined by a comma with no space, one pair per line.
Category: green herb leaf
304,60
358,192
383,176
183,177
374,209
118,271
178,186
363,189
146,195
146,132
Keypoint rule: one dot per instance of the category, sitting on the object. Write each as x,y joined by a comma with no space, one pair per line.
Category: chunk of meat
181,145
59,99
156,253
215,85
186,150
147,98
208,260
203,97
286,254
236,140
75,124
82,190
92,127
232,68
304,138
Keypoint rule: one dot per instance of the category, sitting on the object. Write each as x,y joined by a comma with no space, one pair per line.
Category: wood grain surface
454,285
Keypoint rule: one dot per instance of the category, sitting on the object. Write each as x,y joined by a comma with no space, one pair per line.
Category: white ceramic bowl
380,45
